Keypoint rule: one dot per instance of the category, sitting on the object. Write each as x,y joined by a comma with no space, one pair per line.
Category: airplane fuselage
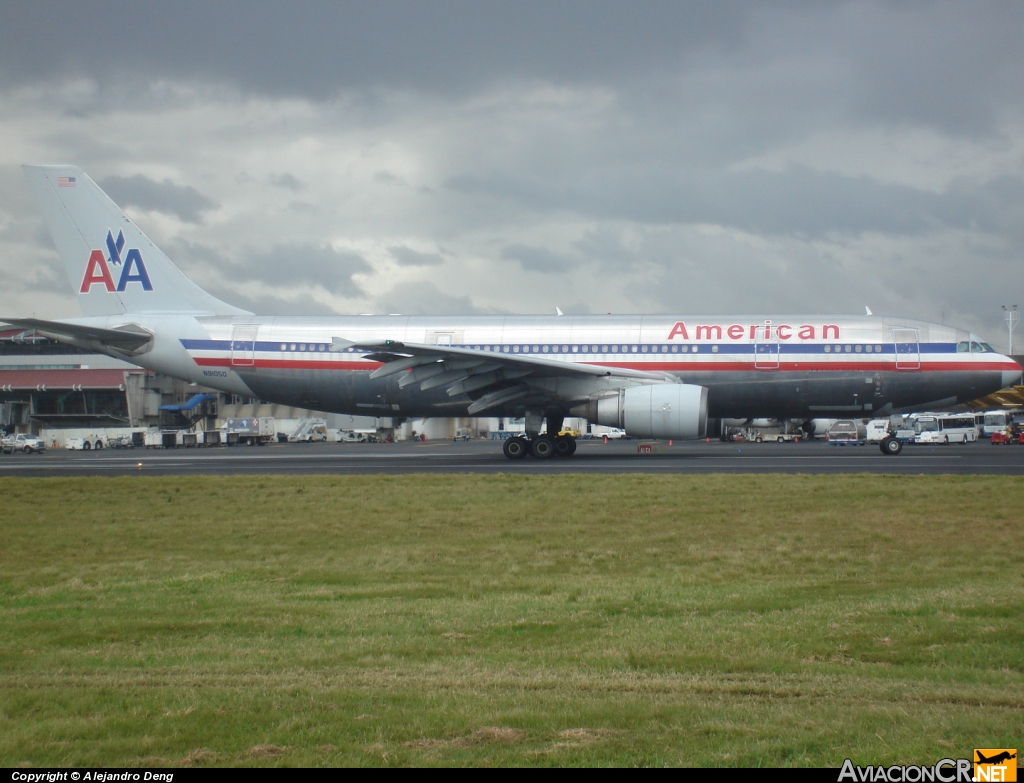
752,366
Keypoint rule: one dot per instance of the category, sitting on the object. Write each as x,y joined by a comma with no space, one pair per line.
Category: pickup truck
22,442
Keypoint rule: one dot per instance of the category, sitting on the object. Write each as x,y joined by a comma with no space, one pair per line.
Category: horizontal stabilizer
128,340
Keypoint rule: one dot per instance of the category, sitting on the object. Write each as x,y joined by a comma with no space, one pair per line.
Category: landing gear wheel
516,448
891,446
542,447
565,446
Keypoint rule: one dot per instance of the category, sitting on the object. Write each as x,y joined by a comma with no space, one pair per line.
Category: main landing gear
540,446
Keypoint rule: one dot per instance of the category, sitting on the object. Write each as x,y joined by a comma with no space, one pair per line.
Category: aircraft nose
1011,377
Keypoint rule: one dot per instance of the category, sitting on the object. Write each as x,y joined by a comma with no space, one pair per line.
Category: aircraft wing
490,378
126,339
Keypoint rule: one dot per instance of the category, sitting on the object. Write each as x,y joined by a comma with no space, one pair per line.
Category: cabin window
714,349
293,346
284,346
828,349
858,349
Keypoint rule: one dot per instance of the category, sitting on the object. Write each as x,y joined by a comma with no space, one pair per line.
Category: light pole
1012,316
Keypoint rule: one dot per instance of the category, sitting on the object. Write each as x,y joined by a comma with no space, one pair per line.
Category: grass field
696,620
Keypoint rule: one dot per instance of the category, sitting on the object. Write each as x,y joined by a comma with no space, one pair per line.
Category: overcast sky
431,157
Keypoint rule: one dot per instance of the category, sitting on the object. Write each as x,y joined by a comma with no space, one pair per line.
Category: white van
945,428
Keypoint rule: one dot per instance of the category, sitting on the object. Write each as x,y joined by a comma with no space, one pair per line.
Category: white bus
996,421
945,428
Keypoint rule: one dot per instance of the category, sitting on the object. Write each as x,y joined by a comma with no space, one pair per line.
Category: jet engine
660,410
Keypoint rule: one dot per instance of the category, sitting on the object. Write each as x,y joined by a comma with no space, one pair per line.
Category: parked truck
256,431
25,443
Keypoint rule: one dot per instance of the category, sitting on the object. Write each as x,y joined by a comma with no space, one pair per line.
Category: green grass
600,620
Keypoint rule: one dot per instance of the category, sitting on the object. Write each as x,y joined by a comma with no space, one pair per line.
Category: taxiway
486,457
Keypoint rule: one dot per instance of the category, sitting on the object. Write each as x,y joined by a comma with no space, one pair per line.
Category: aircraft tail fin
111,264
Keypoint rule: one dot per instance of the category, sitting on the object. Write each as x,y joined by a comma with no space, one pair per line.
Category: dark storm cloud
406,256
538,259
947,64
316,48
300,264
799,200
186,202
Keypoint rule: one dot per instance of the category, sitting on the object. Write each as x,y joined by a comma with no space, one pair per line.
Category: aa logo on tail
97,271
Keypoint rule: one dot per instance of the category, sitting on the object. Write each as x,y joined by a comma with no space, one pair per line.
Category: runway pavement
486,457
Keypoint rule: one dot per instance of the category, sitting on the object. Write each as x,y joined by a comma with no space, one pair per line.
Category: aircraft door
243,345
908,351
766,348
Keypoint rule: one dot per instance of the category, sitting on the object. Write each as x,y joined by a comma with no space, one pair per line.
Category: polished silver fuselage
776,366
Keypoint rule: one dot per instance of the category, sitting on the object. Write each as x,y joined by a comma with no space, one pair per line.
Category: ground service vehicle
256,431
760,436
309,431
846,432
876,430
351,436
28,444
654,376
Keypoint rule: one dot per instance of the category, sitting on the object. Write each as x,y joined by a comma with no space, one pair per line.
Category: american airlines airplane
655,376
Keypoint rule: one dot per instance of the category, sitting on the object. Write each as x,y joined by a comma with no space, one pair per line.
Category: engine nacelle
660,410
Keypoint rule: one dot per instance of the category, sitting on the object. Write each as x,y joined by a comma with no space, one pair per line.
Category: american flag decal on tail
65,182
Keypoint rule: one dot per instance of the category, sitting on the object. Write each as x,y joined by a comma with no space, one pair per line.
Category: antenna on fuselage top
558,312
867,310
